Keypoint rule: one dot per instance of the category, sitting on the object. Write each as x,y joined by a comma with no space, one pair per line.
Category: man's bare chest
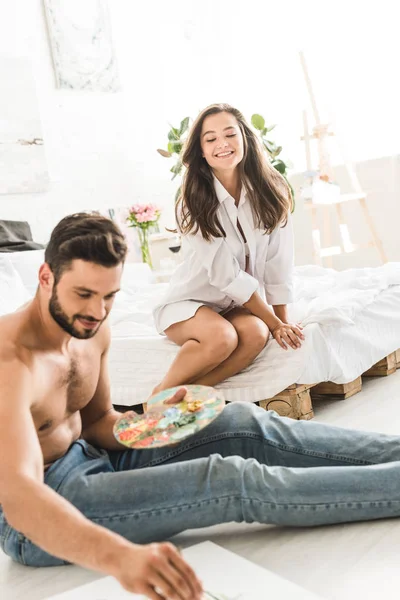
64,385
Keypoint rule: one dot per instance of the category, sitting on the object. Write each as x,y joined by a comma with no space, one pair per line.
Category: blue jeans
248,465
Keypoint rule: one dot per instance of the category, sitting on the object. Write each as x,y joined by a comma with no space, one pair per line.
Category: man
70,493
53,389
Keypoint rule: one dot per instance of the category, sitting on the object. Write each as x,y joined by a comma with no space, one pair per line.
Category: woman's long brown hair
197,204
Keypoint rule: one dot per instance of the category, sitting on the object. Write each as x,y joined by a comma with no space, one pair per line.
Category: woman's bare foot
175,399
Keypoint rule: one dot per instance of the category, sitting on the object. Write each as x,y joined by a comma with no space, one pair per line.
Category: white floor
338,562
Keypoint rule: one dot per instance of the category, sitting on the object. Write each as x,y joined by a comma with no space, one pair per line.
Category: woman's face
221,142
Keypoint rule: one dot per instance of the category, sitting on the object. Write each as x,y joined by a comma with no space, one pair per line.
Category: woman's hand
286,334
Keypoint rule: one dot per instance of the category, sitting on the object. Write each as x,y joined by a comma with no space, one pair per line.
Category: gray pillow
16,236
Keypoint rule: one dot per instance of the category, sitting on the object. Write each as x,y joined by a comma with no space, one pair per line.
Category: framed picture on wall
81,43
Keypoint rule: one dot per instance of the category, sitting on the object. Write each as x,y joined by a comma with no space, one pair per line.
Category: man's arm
54,524
51,522
99,416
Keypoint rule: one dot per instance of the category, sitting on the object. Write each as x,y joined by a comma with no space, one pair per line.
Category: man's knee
244,415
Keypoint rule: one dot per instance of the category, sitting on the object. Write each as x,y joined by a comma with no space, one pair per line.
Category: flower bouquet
144,217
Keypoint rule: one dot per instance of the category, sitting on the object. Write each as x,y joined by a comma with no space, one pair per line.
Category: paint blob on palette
163,424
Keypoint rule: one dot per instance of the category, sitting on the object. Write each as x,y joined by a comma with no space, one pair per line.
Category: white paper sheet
225,575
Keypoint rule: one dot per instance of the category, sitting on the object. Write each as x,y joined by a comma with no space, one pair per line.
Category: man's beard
67,324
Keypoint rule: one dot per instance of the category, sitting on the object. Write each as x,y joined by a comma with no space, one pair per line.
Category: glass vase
145,246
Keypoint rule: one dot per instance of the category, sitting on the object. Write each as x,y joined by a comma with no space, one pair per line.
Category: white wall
177,57
100,147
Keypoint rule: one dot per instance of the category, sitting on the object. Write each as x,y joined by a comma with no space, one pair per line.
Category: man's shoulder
9,325
14,358
103,337
12,328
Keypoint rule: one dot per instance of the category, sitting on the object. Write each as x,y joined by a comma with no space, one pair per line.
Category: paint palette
164,424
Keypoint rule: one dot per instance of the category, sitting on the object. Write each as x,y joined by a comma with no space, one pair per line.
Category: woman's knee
253,334
222,340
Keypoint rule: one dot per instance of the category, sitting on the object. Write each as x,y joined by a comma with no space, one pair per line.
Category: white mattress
351,320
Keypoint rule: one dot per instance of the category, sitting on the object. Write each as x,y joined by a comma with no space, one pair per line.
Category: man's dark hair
85,236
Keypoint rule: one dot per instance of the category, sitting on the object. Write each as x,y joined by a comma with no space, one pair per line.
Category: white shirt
213,273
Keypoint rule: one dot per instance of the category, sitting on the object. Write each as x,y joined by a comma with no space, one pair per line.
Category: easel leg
328,234
345,245
376,240
316,236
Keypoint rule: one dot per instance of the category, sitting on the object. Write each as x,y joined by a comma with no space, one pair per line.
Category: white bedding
351,320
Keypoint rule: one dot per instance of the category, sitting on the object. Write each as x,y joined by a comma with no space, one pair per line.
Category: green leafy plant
271,148
177,137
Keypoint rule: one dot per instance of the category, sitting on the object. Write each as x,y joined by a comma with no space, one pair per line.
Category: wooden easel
322,241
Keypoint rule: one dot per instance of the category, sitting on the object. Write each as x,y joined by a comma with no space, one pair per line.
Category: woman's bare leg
253,335
206,340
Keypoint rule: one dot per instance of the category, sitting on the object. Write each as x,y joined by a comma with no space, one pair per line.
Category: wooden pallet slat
398,358
384,367
337,390
294,402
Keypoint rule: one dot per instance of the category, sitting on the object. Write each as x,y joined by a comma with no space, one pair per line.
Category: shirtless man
54,389
70,493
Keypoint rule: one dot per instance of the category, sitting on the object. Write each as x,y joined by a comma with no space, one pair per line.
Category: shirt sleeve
278,273
222,267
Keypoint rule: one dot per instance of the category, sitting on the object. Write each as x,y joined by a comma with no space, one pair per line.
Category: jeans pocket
11,542
33,556
21,550
91,451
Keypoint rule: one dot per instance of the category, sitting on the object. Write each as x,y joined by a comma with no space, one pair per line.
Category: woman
234,216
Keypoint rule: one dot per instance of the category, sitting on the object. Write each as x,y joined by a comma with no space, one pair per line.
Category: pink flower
144,213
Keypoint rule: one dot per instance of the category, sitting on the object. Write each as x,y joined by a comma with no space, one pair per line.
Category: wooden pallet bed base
296,400
386,366
340,391
293,402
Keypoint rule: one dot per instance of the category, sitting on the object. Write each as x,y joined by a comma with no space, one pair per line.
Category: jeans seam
21,539
148,512
293,449
275,505
21,550
204,441
5,535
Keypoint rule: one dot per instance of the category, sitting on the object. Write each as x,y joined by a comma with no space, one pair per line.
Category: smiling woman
222,145
233,212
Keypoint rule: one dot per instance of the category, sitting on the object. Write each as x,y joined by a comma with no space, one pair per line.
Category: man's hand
158,571
287,334
177,397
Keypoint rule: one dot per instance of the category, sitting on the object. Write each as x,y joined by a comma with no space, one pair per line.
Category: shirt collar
223,195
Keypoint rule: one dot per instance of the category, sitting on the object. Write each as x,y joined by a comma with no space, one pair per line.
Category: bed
351,321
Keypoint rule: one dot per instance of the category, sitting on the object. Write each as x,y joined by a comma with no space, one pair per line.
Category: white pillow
136,275
27,264
12,291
